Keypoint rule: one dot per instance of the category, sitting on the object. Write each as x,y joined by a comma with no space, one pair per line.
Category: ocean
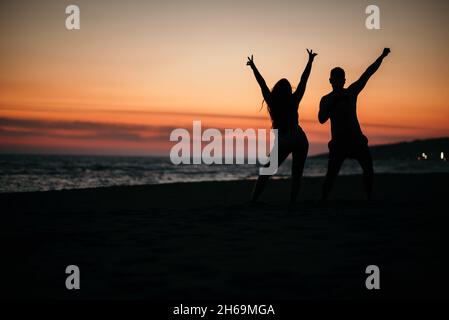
24,173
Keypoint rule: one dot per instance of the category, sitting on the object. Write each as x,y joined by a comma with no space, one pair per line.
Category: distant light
424,156
442,155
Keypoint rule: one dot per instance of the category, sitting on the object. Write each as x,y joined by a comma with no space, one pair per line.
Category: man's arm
301,88
360,84
260,80
324,113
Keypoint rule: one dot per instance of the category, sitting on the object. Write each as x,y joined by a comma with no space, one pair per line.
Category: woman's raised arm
260,79
301,88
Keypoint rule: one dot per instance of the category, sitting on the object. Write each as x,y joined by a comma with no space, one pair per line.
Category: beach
203,241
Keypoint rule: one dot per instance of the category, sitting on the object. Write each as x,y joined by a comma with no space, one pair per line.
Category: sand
202,241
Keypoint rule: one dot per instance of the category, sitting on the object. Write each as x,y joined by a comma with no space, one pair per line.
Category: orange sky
137,69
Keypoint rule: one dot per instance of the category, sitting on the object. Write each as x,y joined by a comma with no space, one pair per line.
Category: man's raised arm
360,84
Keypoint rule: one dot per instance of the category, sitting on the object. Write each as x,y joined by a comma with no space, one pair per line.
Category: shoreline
310,190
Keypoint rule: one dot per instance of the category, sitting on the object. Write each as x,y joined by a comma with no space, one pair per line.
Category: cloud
16,127
263,116
19,127
140,133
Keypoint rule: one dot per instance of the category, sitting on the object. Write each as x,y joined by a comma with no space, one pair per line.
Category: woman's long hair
280,95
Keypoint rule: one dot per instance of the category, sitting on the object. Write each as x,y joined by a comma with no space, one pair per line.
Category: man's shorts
354,148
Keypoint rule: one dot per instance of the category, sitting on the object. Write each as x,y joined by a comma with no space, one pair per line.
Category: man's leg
336,159
366,162
299,158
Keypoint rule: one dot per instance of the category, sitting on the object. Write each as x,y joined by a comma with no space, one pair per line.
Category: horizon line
159,155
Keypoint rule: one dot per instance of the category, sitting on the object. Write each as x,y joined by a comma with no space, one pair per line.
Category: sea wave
24,173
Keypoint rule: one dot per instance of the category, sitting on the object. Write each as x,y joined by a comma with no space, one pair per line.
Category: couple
339,106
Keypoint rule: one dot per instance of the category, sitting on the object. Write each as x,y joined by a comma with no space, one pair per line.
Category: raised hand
260,80
312,54
250,62
386,52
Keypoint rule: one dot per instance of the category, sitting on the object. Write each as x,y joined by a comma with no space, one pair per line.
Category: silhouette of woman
282,105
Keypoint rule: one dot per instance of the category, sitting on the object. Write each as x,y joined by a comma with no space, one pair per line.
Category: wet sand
202,241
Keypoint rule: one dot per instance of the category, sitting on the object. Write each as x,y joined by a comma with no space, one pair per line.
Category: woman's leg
261,182
259,187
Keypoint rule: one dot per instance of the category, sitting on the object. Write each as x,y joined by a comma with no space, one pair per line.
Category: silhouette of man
348,141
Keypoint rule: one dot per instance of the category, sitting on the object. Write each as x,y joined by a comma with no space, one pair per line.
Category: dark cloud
18,127
15,127
198,116
263,115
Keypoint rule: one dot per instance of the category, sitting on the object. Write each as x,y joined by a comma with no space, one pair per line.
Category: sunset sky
137,69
